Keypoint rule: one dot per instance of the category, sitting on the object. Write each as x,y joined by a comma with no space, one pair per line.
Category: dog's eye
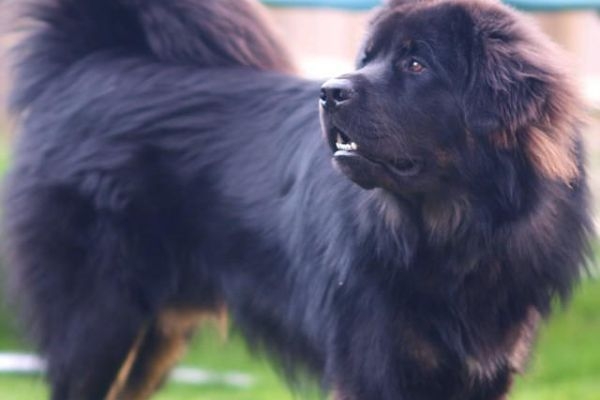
364,60
367,55
414,66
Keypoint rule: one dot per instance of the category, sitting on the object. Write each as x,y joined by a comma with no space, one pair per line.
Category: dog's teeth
339,139
346,146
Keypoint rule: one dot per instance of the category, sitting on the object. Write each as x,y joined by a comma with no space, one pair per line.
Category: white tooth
339,138
338,146
353,146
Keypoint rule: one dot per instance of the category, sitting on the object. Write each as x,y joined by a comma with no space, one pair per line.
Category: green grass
566,365
3,154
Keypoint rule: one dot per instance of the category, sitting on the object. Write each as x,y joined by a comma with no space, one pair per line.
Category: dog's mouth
344,148
343,143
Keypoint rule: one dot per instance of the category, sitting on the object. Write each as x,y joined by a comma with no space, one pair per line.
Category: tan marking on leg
336,394
176,328
119,384
519,355
180,322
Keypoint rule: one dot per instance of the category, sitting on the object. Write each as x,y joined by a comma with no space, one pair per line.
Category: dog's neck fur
440,263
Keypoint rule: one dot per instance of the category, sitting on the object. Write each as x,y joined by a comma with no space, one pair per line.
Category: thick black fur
167,159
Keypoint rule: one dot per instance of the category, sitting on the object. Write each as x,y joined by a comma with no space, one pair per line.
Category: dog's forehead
442,31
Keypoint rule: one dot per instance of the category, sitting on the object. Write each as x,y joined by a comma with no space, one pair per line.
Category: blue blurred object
533,5
346,4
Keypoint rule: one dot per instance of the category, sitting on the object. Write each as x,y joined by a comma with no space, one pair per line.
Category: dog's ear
518,95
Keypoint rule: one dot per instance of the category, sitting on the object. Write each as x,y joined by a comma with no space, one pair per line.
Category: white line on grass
21,363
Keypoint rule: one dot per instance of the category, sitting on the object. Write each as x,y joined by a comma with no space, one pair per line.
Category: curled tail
203,33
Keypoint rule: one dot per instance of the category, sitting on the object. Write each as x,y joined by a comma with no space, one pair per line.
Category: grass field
566,365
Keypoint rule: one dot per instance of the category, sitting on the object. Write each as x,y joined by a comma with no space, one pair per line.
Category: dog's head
446,91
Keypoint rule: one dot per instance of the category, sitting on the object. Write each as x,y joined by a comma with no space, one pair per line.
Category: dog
398,231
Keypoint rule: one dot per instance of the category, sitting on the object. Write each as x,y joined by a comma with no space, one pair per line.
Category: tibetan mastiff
398,231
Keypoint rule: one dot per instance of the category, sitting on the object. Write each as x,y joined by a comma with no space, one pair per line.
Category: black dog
169,165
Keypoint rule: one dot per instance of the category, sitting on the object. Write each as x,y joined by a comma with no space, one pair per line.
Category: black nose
336,92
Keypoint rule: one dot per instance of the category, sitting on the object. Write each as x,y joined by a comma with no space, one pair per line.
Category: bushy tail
204,33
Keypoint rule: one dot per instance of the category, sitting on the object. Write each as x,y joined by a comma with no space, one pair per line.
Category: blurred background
323,36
